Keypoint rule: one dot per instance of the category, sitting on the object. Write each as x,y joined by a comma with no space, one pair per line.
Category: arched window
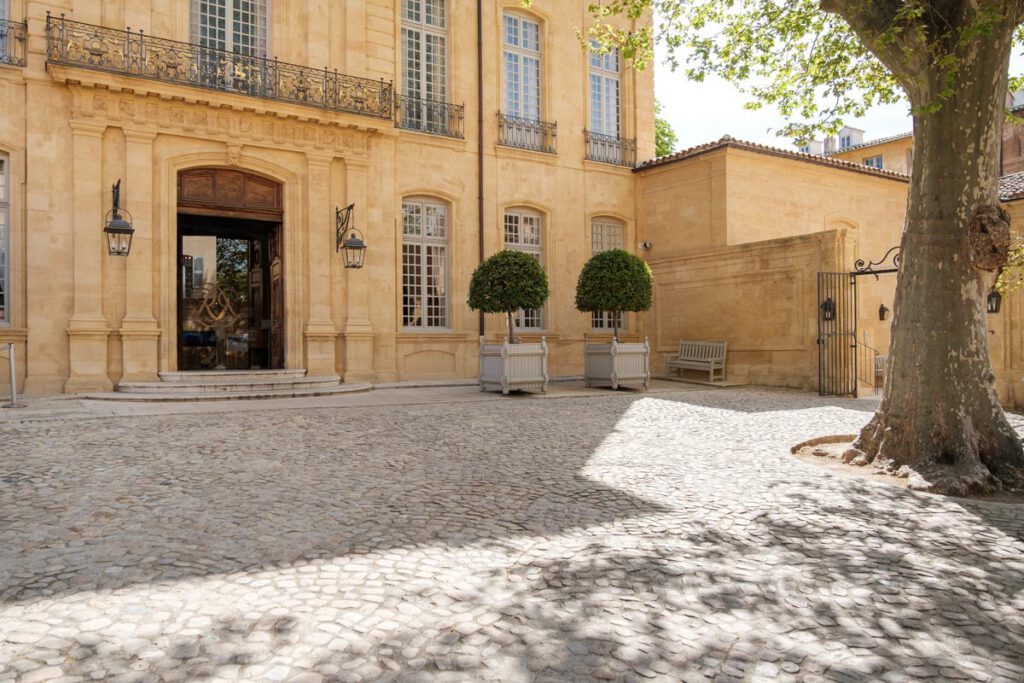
424,63
606,233
425,228
234,25
5,240
524,229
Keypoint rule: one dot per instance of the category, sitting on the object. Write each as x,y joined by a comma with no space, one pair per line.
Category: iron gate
837,334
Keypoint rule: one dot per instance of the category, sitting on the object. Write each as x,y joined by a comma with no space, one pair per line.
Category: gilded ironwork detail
13,35
136,54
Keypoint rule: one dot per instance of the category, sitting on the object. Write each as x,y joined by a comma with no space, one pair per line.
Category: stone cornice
93,105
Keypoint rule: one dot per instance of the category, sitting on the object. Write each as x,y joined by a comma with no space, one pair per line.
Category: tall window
523,232
424,264
5,238
234,25
424,50
4,16
522,67
604,93
605,234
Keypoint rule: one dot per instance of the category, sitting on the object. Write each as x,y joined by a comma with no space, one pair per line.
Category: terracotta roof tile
872,143
729,141
1011,187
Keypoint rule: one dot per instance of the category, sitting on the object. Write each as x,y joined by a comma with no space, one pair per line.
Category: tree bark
511,327
940,421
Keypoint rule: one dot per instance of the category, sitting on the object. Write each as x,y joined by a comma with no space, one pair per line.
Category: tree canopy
507,282
665,138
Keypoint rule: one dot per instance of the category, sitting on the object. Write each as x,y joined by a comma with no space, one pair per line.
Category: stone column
87,328
320,334
357,335
140,333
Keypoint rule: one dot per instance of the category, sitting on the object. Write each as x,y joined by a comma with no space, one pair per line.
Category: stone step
256,394
238,383
204,376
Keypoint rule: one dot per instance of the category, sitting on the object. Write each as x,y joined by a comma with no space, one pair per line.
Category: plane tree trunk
940,420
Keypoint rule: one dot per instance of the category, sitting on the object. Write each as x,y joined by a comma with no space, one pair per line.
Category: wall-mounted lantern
119,228
883,312
828,309
994,301
348,239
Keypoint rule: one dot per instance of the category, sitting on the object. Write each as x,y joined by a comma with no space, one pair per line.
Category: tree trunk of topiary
511,327
615,325
940,417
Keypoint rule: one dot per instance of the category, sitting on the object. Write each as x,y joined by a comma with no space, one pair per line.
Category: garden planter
509,367
616,364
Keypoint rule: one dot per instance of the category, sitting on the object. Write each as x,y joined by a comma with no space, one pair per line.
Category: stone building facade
237,127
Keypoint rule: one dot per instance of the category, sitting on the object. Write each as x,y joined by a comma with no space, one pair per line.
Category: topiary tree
614,281
507,282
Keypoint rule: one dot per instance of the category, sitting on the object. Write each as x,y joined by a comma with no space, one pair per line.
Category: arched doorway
230,291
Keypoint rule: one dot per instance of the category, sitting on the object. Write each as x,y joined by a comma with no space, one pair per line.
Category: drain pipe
480,136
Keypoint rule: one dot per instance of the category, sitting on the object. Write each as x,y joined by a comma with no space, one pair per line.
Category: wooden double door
231,311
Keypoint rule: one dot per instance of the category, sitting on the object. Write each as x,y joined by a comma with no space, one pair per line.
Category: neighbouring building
237,127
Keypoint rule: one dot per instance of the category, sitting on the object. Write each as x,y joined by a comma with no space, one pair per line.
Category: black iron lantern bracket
118,227
348,239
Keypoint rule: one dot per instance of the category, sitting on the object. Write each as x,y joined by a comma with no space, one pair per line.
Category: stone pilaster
87,329
357,335
320,334
140,334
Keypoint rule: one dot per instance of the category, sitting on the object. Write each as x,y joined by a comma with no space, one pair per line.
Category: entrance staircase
221,385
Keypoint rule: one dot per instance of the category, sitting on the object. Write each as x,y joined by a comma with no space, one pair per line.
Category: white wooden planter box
616,364
508,367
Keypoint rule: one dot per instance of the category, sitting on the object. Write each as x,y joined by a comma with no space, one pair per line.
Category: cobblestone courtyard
667,536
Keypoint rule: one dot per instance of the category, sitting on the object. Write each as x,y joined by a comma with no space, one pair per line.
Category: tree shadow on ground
502,557
108,503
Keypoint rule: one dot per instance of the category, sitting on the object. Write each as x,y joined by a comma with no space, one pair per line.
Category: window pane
424,264
523,233
511,31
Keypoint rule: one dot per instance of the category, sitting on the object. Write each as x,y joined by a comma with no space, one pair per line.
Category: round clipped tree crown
614,281
506,282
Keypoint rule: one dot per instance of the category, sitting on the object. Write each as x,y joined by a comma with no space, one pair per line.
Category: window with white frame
424,264
846,141
425,50
874,162
522,55
235,25
605,91
605,234
5,239
4,16
524,232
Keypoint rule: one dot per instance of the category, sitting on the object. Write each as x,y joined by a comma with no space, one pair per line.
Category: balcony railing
610,149
539,136
136,54
12,42
427,116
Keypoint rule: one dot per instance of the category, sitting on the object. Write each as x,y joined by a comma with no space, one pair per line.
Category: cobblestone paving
622,537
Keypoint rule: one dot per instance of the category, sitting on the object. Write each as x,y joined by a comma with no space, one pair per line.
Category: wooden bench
708,356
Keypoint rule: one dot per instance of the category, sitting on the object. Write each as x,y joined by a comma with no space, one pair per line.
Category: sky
704,112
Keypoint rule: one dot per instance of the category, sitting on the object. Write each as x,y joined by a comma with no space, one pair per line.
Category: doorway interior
224,297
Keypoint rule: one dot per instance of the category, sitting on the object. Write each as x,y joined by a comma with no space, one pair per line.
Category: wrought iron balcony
12,42
610,149
136,54
539,136
427,116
